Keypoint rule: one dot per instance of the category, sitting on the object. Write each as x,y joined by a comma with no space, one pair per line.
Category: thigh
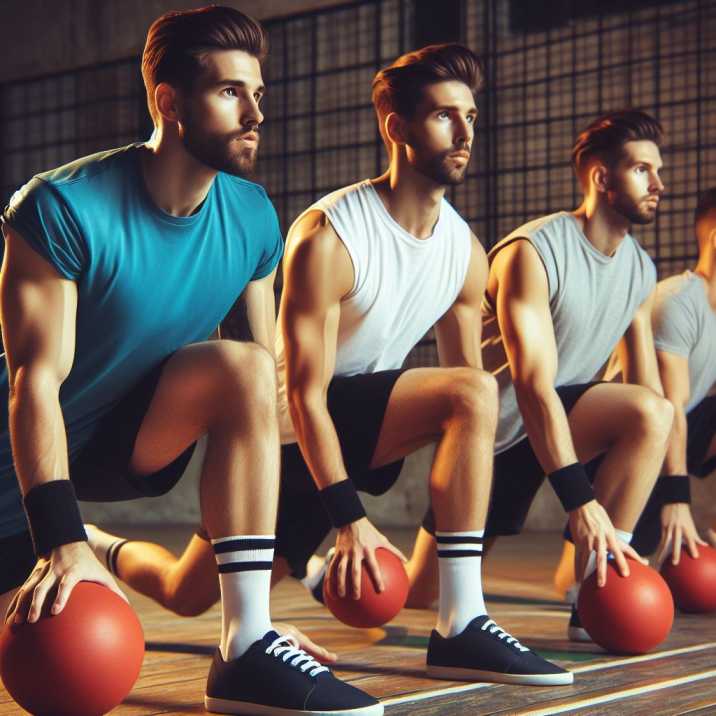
605,413
419,406
191,386
17,560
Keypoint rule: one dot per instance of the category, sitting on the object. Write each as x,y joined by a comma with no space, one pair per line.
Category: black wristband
342,503
572,486
54,516
673,488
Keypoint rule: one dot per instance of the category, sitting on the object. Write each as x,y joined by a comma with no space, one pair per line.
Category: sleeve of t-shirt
272,243
41,216
675,327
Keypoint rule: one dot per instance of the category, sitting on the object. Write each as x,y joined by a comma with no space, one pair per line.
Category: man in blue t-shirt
117,268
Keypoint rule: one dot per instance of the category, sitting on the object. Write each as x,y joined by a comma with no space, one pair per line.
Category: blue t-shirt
148,283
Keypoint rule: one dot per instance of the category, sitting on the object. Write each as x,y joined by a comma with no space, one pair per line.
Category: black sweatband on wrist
342,503
572,486
54,516
673,488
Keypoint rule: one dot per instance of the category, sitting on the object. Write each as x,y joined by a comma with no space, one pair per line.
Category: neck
177,182
604,228
411,198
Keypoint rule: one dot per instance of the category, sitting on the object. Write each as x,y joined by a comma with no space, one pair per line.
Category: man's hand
55,578
305,643
677,527
357,542
592,531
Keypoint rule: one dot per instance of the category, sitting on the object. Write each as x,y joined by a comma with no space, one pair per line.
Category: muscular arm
260,303
519,281
317,274
37,312
636,353
458,332
674,372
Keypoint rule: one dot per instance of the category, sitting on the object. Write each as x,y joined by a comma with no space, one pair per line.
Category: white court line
450,690
618,695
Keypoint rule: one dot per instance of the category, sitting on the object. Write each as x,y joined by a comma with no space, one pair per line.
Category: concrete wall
41,36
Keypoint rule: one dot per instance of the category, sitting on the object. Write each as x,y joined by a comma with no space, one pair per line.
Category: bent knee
185,603
653,414
246,369
473,393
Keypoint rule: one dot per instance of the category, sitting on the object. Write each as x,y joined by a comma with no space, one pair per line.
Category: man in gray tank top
563,291
685,339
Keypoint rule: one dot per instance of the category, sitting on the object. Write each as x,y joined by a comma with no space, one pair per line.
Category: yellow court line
450,690
618,695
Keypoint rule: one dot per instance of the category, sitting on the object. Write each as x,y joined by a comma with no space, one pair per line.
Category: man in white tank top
369,269
562,292
684,324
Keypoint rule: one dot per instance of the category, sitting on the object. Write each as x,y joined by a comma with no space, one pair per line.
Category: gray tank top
685,324
592,299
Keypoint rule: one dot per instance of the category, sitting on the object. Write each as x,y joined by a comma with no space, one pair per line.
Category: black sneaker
485,652
575,631
276,678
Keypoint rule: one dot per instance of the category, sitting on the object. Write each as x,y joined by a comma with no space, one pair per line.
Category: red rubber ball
80,662
693,581
629,615
372,609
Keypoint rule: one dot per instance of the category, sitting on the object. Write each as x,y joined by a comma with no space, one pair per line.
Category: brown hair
605,137
397,88
177,40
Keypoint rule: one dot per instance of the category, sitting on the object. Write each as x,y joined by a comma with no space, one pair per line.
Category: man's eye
230,91
443,115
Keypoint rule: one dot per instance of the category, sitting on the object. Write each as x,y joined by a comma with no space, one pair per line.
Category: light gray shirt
684,323
592,298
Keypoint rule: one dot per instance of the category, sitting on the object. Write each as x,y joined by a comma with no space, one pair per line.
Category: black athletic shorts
100,472
701,430
517,476
357,405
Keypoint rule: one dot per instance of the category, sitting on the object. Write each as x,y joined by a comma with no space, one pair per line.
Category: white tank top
402,285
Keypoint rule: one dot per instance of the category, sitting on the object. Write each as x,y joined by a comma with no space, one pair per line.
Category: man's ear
395,128
165,100
599,175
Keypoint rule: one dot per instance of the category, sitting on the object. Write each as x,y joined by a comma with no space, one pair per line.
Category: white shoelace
500,633
287,648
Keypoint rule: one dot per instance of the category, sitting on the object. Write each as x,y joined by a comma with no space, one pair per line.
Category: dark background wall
70,85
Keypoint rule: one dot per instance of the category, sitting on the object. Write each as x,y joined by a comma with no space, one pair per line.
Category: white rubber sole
456,674
226,706
580,635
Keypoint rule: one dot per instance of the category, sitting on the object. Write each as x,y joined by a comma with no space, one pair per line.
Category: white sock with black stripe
245,564
460,565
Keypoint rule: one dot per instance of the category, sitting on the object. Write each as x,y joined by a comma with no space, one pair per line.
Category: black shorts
517,476
100,472
357,405
701,422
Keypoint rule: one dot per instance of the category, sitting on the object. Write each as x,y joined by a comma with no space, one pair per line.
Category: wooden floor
678,678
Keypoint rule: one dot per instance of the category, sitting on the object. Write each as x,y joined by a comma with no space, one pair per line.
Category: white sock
105,546
460,565
625,537
245,564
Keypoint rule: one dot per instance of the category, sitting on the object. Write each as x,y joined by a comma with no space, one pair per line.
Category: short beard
633,213
215,152
437,168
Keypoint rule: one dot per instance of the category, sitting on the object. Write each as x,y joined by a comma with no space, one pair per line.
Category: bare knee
245,376
473,396
653,416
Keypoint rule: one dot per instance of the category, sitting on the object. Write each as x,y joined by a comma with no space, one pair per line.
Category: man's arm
519,283
676,518
458,332
317,273
260,303
636,353
37,313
